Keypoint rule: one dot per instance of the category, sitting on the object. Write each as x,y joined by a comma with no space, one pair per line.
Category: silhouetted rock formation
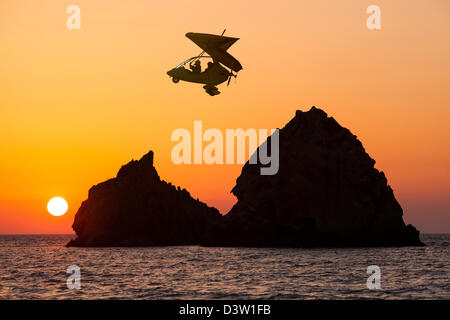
137,208
326,193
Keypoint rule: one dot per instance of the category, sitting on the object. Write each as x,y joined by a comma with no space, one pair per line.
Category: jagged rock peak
327,192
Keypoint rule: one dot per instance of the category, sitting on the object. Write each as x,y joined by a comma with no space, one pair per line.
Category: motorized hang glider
216,73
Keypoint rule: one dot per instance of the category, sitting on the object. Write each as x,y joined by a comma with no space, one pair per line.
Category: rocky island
137,208
327,192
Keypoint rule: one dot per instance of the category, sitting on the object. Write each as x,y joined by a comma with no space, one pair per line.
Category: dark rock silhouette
137,208
326,193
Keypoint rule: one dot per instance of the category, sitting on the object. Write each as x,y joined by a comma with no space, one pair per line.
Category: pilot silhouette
196,67
211,66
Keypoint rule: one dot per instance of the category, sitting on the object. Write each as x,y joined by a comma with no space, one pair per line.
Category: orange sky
77,104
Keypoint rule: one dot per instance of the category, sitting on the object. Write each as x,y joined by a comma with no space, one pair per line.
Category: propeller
229,77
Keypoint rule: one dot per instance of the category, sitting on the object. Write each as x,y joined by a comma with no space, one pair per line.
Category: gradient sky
75,105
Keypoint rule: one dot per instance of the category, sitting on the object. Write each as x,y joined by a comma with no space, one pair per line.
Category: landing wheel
175,80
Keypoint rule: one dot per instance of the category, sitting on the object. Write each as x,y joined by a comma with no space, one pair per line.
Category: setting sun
57,206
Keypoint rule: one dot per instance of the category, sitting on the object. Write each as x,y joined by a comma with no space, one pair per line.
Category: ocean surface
35,267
